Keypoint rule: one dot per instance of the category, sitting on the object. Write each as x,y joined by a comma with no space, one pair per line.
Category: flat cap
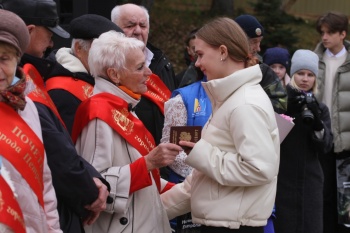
91,26
14,31
36,12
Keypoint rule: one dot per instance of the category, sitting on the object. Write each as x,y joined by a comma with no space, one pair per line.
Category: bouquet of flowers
285,124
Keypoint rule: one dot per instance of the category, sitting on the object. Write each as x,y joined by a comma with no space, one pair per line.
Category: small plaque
185,133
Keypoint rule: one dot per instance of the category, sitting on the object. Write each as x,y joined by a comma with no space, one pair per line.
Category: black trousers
330,213
242,229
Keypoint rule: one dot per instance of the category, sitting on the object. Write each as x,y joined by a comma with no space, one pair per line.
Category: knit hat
91,26
277,55
304,60
250,25
13,31
37,12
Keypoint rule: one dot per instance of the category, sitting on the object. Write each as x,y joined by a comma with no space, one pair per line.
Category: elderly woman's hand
163,155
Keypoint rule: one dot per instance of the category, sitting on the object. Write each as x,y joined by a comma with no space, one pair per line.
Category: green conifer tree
275,23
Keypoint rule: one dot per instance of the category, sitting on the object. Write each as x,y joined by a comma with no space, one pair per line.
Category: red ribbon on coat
114,111
157,91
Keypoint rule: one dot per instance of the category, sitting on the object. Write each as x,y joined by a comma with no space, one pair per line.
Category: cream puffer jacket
236,161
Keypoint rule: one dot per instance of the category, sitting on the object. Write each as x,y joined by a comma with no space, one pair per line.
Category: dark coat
273,87
299,199
66,103
72,176
146,110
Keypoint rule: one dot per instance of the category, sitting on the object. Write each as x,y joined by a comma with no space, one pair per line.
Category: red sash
10,212
157,92
80,89
114,111
22,148
40,94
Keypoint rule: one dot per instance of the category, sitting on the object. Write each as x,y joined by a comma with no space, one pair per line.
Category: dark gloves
314,107
295,101
294,106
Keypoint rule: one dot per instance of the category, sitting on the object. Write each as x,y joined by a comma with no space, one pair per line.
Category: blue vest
197,103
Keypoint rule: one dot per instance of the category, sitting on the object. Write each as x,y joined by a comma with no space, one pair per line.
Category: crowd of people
86,145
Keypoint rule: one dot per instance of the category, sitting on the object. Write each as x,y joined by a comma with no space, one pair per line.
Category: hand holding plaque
185,133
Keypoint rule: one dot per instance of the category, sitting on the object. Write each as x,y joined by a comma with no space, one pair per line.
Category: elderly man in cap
70,82
270,81
134,20
81,191
254,31
41,19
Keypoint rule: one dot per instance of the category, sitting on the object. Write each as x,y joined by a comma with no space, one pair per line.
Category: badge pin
258,32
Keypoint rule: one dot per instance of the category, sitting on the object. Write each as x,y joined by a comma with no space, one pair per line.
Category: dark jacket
146,110
66,102
71,174
299,199
273,88
179,76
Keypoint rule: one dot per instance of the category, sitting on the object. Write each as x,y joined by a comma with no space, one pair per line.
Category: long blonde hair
225,31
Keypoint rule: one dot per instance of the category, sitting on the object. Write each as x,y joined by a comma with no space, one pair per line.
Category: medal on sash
115,113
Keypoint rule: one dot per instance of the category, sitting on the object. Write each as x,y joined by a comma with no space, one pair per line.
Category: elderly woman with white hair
109,135
27,198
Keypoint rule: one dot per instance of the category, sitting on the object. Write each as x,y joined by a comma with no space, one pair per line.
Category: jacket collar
103,85
319,50
65,57
219,90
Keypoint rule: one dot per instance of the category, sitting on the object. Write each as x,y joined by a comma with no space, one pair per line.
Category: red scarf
13,95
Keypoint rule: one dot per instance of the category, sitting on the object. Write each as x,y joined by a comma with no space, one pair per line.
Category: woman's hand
187,146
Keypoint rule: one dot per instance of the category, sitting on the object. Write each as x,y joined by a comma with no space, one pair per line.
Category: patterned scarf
14,95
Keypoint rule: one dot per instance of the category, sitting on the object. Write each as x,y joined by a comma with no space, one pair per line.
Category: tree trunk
222,7
287,5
